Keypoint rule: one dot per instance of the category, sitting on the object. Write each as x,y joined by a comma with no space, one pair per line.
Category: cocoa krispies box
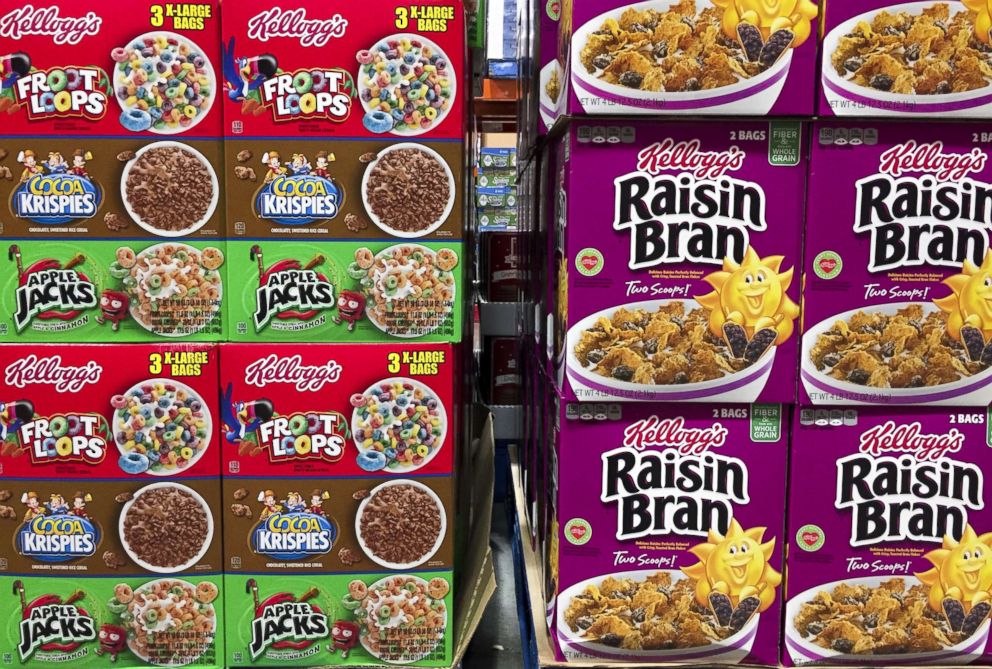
676,554
344,69
888,537
895,268
337,411
885,58
676,253
111,69
746,57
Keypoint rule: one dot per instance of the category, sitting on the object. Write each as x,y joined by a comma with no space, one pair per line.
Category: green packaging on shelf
496,178
496,198
496,157
356,292
502,219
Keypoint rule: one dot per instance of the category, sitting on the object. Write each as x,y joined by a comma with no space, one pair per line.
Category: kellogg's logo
294,23
939,217
698,215
28,20
672,432
306,378
910,439
32,370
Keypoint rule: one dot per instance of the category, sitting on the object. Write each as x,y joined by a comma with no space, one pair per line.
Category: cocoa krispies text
889,549
315,410
886,58
896,268
132,411
746,57
677,247
675,555
359,70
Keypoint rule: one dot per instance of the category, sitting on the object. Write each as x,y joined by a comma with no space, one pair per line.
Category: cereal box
111,69
884,58
676,249
103,290
747,57
132,411
344,69
306,620
338,410
336,525
120,188
676,555
119,621
344,291
895,269
341,189
888,538
551,75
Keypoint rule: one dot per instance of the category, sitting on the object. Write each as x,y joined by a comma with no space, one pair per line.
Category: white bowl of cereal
387,542
726,380
156,184
848,96
549,106
803,649
578,642
155,621
172,544
843,383
400,202
755,95
411,641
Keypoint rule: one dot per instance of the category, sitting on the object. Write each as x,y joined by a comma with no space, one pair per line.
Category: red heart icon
810,538
828,264
578,531
589,262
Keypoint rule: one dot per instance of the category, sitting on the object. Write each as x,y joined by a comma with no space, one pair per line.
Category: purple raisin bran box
676,556
551,75
677,246
886,58
896,266
889,550
691,57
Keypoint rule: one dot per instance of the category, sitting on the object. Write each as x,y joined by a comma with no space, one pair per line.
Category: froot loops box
896,269
888,538
109,412
337,410
344,69
111,69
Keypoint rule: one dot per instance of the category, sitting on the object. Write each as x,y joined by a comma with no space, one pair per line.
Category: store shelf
507,421
500,319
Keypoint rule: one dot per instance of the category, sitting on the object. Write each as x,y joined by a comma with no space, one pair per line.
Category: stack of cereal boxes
344,164
889,521
113,243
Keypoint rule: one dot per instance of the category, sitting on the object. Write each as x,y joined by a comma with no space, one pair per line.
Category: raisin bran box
344,69
111,69
676,253
338,410
551,75
676,556
923,59
310,619
749,57
136,411
895,269
888,543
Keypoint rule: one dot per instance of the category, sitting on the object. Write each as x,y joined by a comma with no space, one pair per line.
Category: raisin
916,382
975,618
638,615
736,338
778,43
892,31
867,329
750,39
689,22
660,51
987,354
631,79
889,349
651,346
692,84
954,612
602,61
871,620
882,82
761,342
858,376
747,608
639,28
595,355
681,378
842,645
943,88
913,52
584,622
722,607
941,25
623,373
854,64
974,341
814,628
830,359
611,639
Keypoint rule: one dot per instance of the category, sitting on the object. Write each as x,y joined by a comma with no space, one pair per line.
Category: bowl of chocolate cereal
408,190
877,64
169,189
896,353
616,71
166,528
401,524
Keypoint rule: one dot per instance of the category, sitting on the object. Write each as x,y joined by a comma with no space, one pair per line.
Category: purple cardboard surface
676,247
895,305
887,516
922,59
676,514
748,57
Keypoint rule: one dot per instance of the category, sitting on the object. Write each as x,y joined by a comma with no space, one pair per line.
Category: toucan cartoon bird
243,418
12,415
244,75
12,66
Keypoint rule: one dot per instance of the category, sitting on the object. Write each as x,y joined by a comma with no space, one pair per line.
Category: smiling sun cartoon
983,20
961,579
969,307
769,16
733,576
749,307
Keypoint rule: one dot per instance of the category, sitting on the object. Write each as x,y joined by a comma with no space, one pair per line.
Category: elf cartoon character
34,508
295,503
29,161
114,308
56,164
79,158
57,506
323,160
299,165
79,501
274,167
270,505
351,308
317,499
